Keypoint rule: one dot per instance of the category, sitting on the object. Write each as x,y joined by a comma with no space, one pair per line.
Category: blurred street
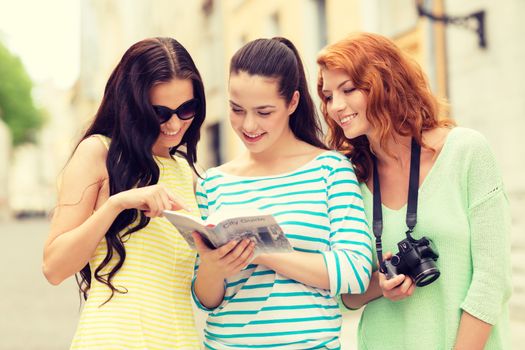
33,313
36,315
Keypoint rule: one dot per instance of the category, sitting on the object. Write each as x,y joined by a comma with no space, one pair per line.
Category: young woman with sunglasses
380,110
281,300
133,268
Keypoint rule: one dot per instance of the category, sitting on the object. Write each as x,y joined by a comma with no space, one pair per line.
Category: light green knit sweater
464,210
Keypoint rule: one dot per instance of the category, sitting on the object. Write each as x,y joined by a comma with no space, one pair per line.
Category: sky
45,34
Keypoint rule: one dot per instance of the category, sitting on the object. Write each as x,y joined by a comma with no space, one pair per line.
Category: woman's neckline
429,175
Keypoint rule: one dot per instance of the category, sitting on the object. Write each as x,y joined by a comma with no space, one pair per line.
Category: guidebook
222,227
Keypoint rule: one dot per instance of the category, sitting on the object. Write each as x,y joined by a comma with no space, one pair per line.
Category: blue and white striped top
320,209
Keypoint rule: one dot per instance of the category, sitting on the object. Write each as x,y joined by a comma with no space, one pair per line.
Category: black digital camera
416,258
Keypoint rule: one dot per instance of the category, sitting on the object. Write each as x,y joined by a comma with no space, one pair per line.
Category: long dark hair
126,116
278,58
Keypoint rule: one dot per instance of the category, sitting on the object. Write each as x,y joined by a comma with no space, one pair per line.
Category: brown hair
399,100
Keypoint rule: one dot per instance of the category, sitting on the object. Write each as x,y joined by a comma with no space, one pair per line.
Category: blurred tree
17,108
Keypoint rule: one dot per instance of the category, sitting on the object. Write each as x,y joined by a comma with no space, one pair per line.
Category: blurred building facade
108,28
33,168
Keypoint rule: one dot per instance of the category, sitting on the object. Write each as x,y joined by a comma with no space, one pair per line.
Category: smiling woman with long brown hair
134,269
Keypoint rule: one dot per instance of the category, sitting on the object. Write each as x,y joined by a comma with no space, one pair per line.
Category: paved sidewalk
33,313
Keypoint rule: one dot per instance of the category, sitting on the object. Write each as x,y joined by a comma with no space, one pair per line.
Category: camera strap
413,187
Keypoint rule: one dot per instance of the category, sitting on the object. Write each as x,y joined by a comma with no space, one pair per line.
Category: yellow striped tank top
156,310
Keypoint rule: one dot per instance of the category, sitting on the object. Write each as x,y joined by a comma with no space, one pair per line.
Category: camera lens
427,277
426,273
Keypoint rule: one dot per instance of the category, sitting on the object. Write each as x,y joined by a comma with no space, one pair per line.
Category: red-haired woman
382,114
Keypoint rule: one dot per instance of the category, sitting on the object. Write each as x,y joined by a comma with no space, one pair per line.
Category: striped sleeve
202,198
202,202
349,260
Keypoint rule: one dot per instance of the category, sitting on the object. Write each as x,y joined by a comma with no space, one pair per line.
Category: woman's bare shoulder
92,146
88,160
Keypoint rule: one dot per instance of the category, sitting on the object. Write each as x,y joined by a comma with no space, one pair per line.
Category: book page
186,224
255,225
223,214
263,230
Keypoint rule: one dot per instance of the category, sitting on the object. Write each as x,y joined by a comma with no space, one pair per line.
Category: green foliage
17,108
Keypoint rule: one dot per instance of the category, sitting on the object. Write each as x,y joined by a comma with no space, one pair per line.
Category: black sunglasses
185,111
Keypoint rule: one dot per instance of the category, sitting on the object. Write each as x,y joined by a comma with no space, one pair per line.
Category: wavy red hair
399,99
